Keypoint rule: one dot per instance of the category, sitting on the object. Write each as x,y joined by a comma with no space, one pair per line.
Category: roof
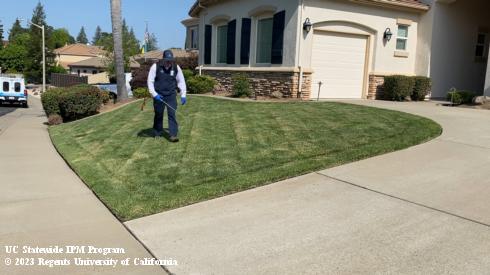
199,5
80,50
98,62
157,54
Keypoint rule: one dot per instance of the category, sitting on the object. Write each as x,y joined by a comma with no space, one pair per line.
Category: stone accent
376,88
264,83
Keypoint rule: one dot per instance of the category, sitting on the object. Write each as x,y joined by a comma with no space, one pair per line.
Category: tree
16,30
97,35
13,57
152,43
33,65
122,93
60,38
82,36
1,34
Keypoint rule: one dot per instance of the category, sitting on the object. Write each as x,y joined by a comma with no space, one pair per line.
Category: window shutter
231,43
208,33
278,37
245,43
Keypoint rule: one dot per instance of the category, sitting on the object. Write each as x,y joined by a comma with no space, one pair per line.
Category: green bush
241,85
201,84
141,93
398,87
421,88
80,101
50,100
188,74
73,102
460,97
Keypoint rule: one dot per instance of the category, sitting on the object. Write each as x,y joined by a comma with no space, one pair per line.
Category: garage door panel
338,62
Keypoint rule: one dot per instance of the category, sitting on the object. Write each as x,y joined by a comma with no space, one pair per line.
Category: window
264,40
481,45
84,71
94,71
6,86
17,87
402,37
194,38
222,33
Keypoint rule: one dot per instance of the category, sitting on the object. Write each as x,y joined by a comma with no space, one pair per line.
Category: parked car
13,89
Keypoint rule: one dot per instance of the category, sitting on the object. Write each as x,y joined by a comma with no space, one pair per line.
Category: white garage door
338,62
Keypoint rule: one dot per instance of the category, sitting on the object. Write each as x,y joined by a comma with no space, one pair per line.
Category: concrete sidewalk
43,203
423,210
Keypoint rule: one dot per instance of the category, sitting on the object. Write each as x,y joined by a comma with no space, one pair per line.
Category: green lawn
226,146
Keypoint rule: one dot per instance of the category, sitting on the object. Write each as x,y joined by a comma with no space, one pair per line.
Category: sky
163,16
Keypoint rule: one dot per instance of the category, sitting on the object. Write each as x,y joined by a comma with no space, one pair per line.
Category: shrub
188,62
188,74
105,96
50,100
80,101
140,76
398,87
421,88
141,93
241,86
201,84
55,119
460,97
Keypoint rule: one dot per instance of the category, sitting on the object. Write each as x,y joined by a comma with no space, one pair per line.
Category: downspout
300,82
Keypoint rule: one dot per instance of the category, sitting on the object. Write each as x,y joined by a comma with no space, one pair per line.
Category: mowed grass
226,146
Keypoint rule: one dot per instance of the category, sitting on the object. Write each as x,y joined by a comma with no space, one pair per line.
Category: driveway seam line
462,143
404,200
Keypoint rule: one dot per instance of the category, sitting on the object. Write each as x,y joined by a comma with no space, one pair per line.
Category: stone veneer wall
264,83
376,86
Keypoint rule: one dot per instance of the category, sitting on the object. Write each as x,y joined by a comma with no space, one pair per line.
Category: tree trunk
122,93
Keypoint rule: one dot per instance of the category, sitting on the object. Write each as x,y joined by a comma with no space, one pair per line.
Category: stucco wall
345,16
454,39
68,59
239,9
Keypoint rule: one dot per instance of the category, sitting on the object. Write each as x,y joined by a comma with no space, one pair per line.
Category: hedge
421,88
200,84
73,102
460,97
398,87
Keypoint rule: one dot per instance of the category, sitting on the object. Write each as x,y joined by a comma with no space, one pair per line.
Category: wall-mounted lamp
388,34
307,25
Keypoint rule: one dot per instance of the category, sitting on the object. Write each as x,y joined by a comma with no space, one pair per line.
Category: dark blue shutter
245,43
278,37
208,33
231,42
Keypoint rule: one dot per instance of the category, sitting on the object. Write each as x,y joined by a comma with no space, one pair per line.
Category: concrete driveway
44,204
423,210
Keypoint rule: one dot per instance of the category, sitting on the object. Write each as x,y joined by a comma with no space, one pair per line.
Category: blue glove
183,100
158,97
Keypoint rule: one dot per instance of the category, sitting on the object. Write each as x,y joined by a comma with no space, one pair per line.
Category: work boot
174,139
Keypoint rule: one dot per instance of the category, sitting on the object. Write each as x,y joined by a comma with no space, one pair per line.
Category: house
344,48
73,53
155,55
192,34
94,65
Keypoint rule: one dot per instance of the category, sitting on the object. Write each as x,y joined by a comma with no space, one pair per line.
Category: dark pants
159,106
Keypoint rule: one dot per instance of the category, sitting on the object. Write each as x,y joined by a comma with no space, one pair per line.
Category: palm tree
122,93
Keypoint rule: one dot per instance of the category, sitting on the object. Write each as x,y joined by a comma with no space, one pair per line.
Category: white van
13,89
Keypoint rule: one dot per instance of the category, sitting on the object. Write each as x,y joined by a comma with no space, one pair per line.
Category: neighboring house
94,65
154,56
341,48
192,34
73,53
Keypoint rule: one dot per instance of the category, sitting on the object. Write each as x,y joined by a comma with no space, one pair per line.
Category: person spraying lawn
163,79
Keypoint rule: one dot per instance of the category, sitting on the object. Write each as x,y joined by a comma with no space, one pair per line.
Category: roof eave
395,5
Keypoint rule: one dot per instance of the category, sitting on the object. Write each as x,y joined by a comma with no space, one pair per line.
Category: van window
17,86
6,86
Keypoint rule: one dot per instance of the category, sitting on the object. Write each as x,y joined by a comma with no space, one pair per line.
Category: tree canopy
82,36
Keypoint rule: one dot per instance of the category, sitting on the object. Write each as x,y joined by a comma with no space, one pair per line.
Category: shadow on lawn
149,133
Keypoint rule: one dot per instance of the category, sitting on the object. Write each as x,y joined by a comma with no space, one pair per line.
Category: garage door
338,62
